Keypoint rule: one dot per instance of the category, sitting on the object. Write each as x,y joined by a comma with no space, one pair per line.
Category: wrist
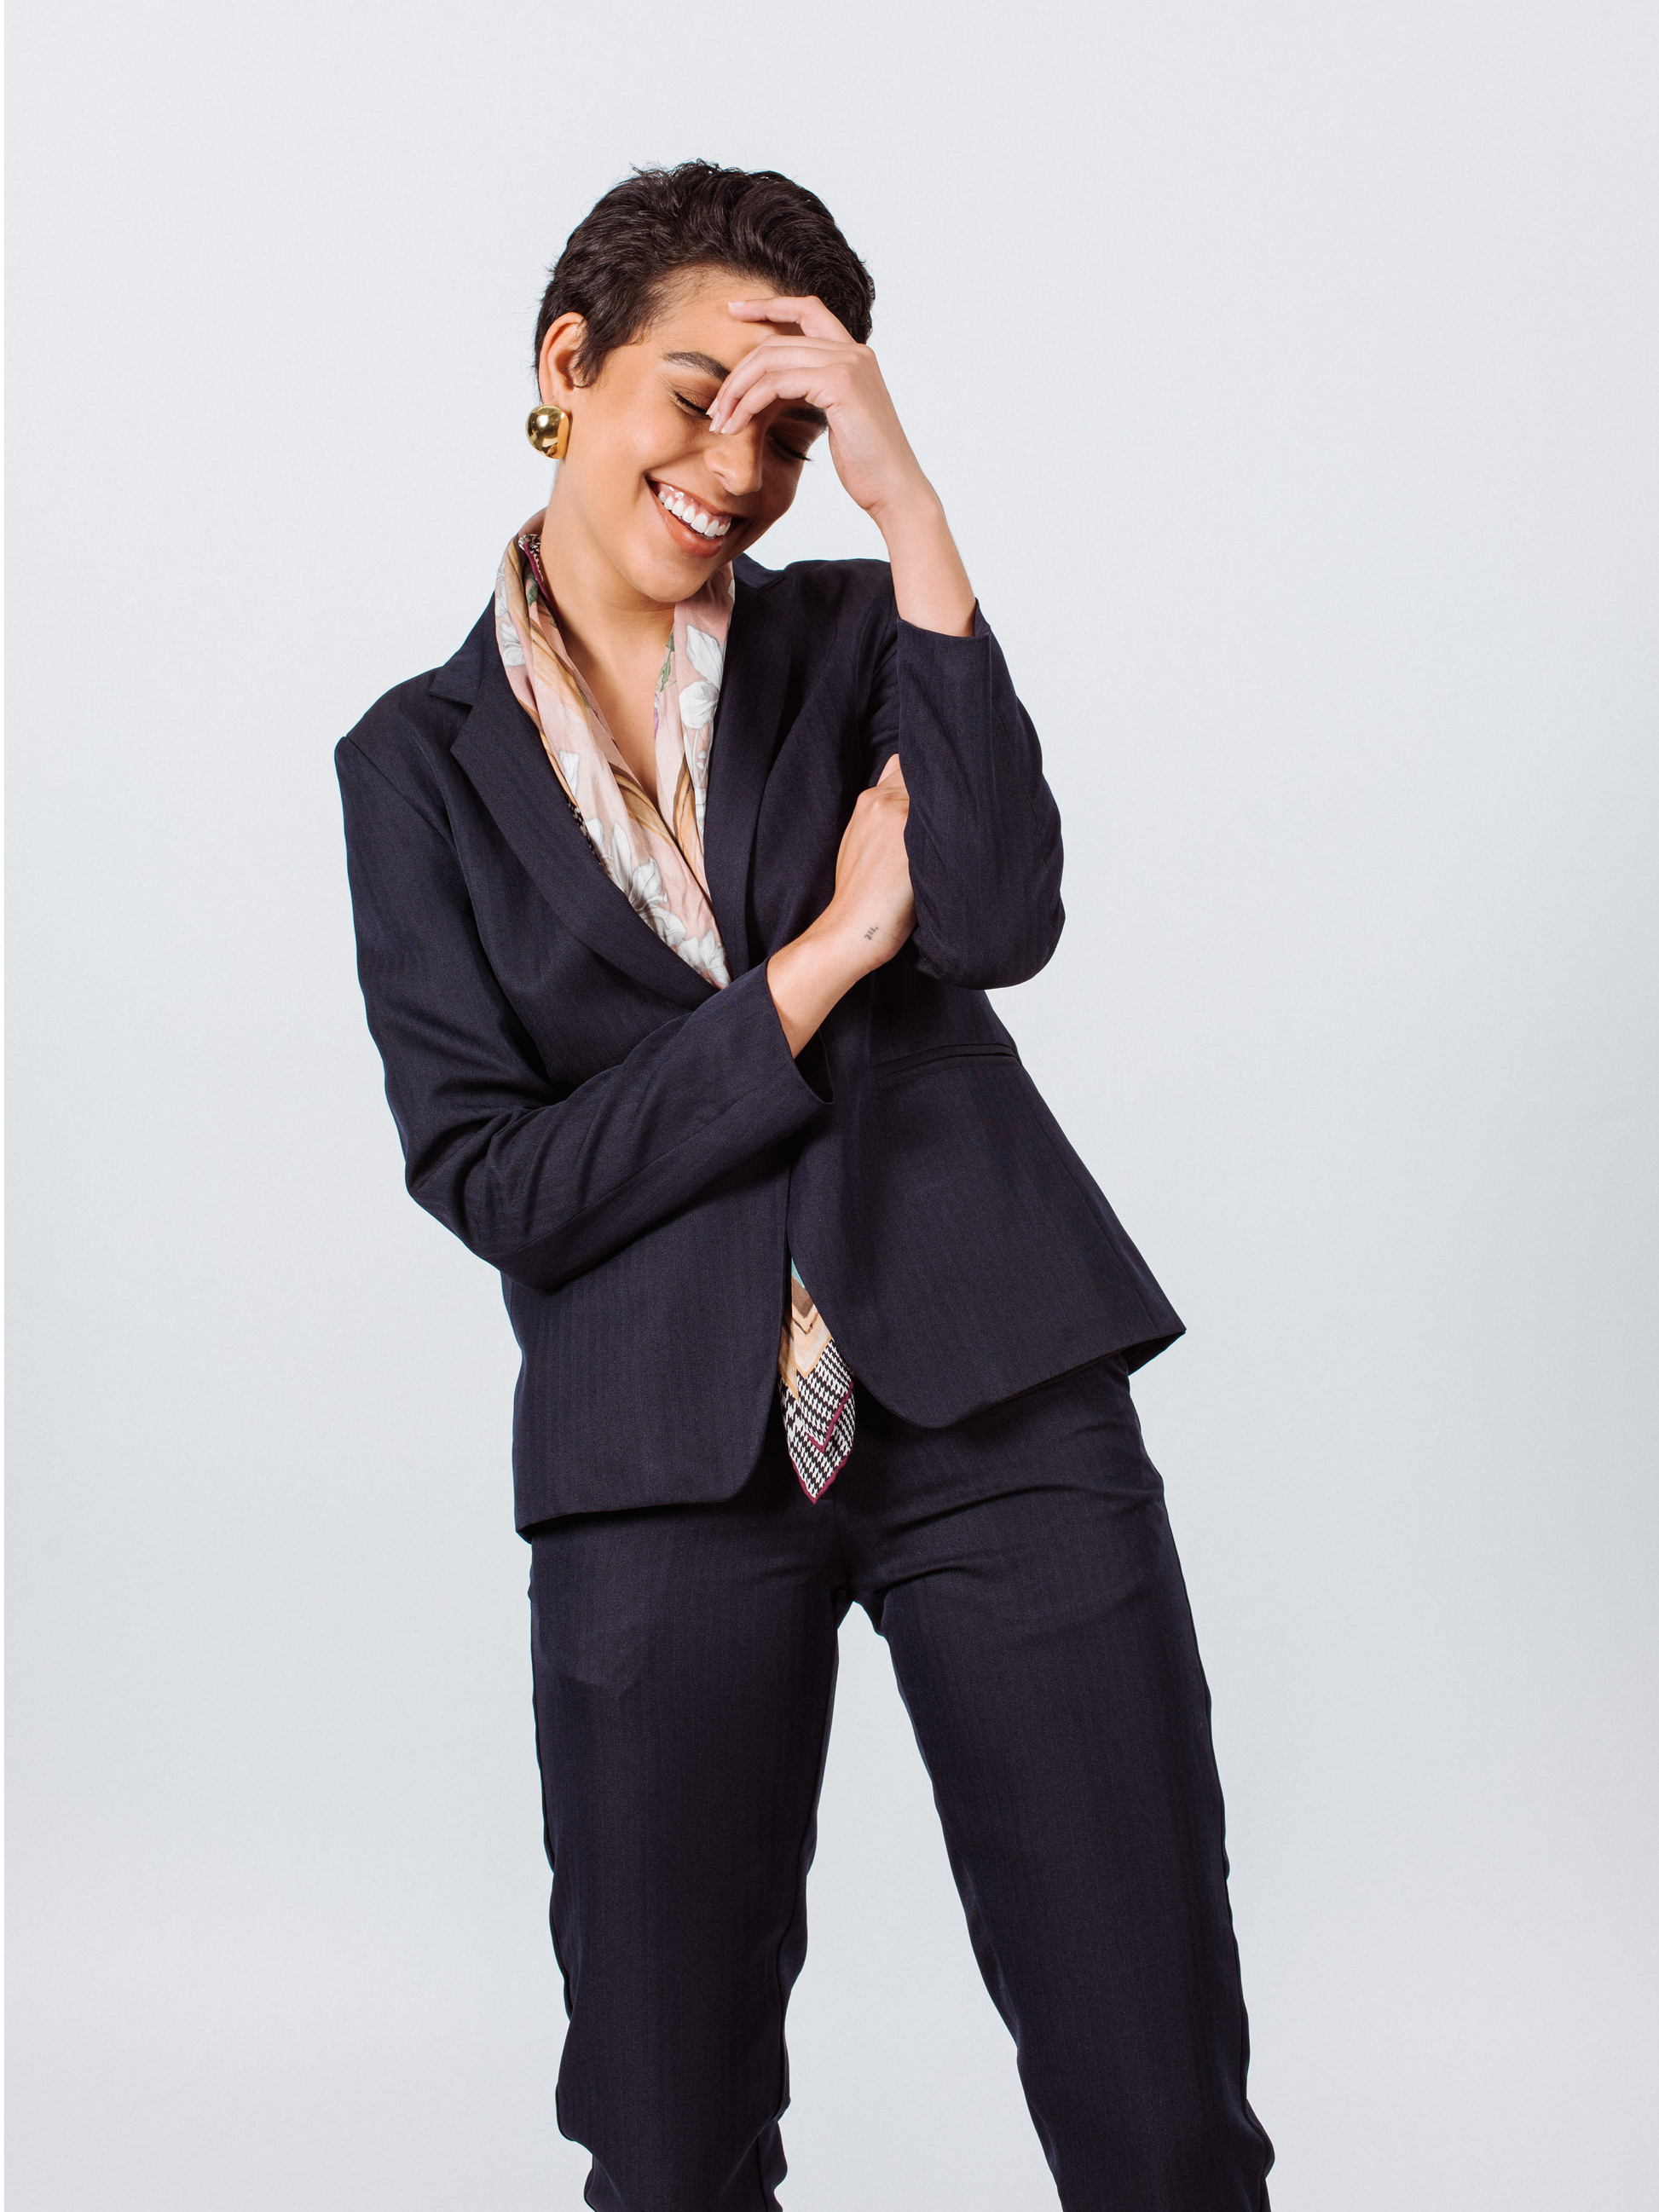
843,946
813,973
931,588
911,508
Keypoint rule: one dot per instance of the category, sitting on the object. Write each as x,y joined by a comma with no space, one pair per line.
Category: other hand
873,907
870,916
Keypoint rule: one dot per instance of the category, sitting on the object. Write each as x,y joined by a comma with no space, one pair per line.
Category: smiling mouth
712,526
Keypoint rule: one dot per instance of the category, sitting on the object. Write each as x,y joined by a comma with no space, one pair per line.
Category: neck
604,622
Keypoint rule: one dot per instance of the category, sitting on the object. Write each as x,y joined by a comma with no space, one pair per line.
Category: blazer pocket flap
889,1071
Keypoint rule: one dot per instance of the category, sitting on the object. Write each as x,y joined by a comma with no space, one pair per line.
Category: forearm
812,975
545,1193
541,1178
983,831
929,581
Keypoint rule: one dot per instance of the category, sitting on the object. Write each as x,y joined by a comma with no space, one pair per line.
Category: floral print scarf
651,845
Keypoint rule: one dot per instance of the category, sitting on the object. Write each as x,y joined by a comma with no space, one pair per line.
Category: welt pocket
888,1071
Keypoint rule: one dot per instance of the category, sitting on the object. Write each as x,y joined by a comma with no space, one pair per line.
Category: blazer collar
500,751
458,679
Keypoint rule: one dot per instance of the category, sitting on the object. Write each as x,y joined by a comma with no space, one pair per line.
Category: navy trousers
1021,1568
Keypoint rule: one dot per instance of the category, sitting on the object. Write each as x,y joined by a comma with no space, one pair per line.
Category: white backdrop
1289,374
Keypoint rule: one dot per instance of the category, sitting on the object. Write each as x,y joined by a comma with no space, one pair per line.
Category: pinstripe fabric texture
1019,1564
636,1152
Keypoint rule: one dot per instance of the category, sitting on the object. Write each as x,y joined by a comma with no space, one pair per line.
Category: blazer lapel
500,751
747,731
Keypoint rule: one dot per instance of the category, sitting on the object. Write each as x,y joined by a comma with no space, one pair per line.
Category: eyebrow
707,366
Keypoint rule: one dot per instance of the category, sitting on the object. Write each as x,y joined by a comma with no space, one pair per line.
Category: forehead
693,320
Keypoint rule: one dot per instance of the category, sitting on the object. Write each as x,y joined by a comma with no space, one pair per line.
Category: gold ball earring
548,431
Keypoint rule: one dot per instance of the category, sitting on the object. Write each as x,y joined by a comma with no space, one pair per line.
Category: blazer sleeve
543,1184
984,834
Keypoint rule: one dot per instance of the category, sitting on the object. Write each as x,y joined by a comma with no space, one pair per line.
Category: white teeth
692,515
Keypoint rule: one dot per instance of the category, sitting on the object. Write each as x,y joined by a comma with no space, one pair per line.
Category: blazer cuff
770,1085
913,635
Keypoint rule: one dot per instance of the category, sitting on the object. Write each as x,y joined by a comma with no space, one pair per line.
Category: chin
659,576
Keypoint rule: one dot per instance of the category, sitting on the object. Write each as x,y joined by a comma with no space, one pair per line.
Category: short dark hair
620,261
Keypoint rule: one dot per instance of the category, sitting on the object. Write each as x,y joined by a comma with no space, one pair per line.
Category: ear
556,365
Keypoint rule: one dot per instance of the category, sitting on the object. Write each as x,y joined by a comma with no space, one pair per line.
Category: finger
814,319
789,351
891,768
766,376
757,396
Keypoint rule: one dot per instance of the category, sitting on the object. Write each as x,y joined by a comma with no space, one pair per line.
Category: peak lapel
745,743
500,751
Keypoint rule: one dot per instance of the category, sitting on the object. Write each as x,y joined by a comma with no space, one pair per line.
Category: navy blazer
636,1152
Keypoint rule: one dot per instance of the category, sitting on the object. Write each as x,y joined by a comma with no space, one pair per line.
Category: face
646,485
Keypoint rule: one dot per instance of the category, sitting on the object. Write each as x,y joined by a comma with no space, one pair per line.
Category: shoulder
407,734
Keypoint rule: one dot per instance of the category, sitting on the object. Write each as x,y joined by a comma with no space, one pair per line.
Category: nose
736,461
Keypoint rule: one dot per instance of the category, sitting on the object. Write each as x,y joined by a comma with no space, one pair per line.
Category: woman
678,891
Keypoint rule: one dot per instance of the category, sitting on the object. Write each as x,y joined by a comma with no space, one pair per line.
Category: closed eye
780,445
